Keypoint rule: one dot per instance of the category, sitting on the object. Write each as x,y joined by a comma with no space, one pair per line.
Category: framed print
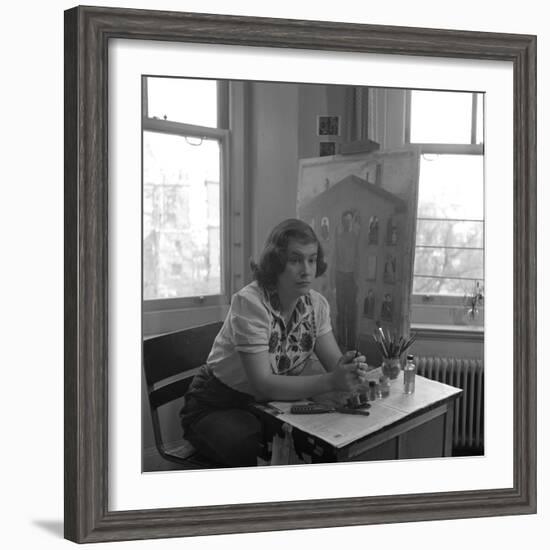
327,148
126,200
328,125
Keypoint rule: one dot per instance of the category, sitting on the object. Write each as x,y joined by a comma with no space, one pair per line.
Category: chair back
170,361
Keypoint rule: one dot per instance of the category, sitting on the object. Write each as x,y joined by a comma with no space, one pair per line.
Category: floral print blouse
255,324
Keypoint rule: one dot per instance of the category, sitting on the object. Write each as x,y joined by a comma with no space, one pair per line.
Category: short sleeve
250,323
322,314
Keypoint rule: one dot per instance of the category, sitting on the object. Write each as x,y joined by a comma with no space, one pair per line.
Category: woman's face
300,269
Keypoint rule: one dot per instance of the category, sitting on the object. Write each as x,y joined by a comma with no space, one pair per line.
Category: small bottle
372,390
409,372
384,386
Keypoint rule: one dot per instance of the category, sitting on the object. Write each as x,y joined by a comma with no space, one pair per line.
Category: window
449,233
446,117
184,185
448,126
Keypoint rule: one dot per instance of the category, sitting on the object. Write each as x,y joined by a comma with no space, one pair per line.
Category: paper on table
340,429
427,392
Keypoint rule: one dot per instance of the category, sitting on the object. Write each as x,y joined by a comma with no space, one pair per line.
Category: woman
273,327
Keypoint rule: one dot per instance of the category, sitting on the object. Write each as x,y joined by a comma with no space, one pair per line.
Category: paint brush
389,344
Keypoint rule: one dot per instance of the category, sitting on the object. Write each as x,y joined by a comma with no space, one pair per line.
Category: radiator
466,374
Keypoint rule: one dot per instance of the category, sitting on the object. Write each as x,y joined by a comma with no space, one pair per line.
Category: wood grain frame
87,33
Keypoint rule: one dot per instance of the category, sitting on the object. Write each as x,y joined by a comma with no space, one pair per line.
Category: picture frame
327,148
87,34
328,125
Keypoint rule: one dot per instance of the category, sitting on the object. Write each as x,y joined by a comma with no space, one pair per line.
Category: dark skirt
207,393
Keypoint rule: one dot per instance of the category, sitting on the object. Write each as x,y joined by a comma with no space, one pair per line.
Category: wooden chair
170,361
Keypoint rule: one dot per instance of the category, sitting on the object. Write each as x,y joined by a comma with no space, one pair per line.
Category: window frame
462,149
222,135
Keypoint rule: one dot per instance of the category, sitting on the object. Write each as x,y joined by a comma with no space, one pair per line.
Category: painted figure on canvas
325,229
386,313
391,232
390,269
373,230
346,258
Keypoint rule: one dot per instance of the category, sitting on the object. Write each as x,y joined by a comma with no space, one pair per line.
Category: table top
339,429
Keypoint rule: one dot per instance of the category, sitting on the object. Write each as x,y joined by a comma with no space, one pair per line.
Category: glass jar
384,387
391,366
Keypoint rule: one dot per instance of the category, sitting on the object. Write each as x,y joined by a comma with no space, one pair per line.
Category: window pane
441,117
428,285
451,186
448,262
183,100
480,118
181,217
449,233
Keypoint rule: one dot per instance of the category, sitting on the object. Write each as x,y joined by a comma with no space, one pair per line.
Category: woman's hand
351,371
347,373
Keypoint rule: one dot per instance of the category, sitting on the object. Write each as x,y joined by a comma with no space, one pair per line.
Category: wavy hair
274,256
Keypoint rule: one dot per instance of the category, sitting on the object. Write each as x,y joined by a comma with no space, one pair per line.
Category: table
399,426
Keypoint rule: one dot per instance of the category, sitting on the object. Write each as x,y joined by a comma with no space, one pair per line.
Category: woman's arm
329,354
327,351
267,385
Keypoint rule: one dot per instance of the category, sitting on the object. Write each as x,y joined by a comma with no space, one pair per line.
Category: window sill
445,332
162,322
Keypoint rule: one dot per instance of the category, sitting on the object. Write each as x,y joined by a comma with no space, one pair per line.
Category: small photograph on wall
372,262
373,230
327,148
328,125
390,269
391,232
386,312
369,304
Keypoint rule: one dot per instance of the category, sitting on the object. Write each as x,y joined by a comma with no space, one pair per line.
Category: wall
273,157
32,482
318,100
283,130
386,115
